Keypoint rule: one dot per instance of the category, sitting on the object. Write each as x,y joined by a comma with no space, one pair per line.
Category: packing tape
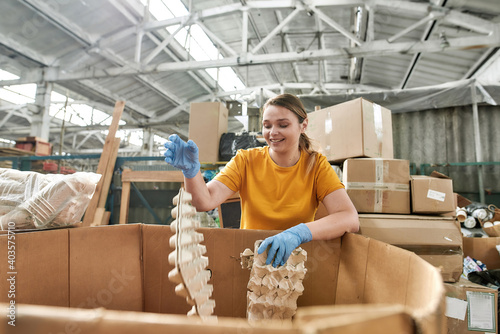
328,123
377,119
379,199
378,186
379,181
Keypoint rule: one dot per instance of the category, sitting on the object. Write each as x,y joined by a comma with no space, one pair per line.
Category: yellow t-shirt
274,197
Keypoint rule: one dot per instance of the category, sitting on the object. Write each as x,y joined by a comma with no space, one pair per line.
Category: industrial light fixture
444,41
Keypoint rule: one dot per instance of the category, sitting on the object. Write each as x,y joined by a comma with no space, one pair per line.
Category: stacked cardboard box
432,195
437,240
378,185
484,250
388,204
357,128
125,268
471,308
207,122
358,133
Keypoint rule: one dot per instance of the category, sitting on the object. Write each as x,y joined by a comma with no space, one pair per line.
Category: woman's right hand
182,155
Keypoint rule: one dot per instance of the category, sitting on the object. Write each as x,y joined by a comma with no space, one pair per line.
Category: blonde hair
293,103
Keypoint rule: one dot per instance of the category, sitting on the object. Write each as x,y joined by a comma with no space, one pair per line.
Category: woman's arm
184,156
342,217
206,196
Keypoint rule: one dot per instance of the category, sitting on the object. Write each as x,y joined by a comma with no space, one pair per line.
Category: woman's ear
303,126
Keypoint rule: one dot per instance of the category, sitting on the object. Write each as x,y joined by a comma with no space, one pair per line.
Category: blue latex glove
182,155
283,244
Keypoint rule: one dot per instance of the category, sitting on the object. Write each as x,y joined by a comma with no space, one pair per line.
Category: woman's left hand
283,244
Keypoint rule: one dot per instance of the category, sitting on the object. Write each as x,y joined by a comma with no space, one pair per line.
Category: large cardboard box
431,194
207,122
484,250
353,129
347,278
377,185
437,240
471,308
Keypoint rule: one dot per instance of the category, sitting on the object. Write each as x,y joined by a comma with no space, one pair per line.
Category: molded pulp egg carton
190,272
273,292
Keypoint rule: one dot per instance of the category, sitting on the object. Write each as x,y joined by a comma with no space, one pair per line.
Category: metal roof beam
452,16
369,49
336,26
277,29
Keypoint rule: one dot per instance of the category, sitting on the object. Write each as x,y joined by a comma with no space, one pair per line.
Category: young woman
280,185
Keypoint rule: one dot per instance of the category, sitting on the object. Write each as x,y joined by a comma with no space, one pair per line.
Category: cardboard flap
371,271
40,269
438,235
106,267
439,175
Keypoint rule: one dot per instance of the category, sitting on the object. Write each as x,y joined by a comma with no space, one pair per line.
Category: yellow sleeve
231,175
327,180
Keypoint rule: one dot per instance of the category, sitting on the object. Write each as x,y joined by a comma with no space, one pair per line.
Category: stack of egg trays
273,292
190,265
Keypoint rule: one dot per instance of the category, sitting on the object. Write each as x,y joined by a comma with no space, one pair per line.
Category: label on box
456,308
437,195
481,309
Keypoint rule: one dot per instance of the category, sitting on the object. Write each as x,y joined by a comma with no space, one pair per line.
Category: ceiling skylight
195,40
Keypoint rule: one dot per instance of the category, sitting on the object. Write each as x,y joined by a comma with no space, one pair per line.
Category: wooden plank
103,162
152,176
125,202
108,174
105,218
98,216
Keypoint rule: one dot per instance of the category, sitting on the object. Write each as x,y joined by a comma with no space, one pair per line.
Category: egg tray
273,292
190,265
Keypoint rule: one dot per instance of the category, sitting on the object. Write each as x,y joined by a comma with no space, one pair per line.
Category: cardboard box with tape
431,194
438,240
357,128
125,268
378,185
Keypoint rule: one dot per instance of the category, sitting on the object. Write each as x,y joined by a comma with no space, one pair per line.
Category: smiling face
281,129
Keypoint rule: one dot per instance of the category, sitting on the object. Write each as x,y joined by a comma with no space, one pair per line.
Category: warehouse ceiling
96,52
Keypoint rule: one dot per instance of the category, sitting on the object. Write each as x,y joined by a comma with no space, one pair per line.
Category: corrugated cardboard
106,267
484,250
357,128
378,185
207,122
40,269
437,240
458,306
229,280
431,194
351,270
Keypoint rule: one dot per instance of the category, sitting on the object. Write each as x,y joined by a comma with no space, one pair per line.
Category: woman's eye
283,126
